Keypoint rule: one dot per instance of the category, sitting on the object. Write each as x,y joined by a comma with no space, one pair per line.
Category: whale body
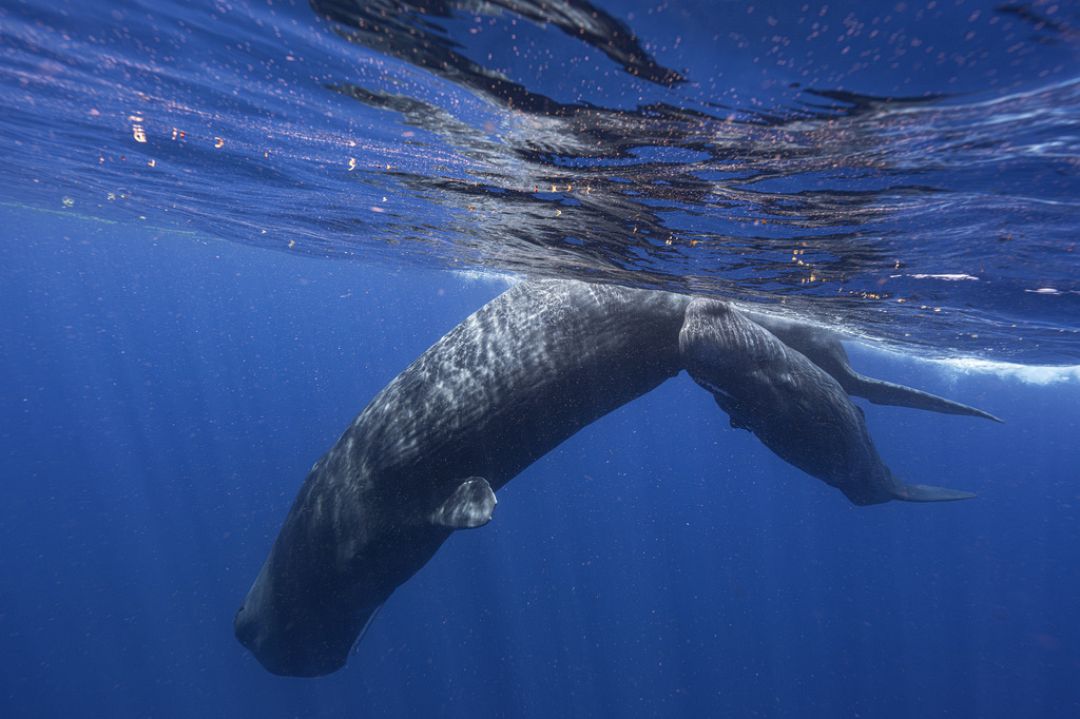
503,388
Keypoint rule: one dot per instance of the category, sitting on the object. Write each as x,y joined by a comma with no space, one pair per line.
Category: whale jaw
929,493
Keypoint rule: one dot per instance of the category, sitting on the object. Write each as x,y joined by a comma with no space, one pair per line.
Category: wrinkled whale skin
499,391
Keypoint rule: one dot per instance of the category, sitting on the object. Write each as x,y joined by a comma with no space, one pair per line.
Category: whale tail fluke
887,393
823,348
929,493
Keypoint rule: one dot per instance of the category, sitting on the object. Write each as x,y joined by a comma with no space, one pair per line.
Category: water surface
906,170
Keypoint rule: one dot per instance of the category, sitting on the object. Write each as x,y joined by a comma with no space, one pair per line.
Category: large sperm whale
503,388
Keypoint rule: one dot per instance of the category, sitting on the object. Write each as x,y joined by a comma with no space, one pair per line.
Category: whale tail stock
887,393
822,347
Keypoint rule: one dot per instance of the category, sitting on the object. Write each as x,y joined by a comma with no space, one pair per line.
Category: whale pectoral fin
929,493
469,506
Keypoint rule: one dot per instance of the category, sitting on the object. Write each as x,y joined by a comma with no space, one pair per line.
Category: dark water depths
906,170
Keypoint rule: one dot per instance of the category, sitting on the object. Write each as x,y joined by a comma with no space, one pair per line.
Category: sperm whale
510,383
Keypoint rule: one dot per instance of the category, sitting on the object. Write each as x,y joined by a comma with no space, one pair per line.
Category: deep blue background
161,398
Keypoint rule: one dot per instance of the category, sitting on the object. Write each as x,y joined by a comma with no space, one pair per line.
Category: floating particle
68,201
151,163
219,143
954,277
292,244
352,164
138,133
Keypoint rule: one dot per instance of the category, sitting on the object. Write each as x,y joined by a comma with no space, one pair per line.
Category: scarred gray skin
499,391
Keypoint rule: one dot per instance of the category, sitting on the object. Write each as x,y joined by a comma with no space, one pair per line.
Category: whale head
318,591
299,635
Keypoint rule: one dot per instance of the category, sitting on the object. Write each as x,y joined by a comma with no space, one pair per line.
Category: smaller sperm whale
510,383
800,411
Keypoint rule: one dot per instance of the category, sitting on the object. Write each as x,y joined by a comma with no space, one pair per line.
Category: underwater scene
770,309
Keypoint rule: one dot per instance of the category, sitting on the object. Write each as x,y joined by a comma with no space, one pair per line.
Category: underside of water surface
907,172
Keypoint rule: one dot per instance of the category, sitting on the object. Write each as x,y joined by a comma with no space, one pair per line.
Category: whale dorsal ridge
469,506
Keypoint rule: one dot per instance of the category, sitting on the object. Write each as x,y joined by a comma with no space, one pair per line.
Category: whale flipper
928,493
823,348
469,506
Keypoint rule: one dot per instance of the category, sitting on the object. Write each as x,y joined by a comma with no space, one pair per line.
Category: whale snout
288,649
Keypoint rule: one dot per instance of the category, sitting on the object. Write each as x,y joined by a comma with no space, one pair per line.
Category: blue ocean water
228,225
